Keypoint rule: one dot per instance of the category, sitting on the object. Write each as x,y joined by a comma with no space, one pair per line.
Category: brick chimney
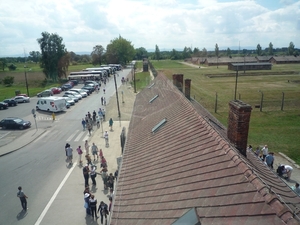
187,88
178,81
238,124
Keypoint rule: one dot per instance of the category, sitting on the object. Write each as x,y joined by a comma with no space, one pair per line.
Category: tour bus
118,66
105,71
51,104
86,75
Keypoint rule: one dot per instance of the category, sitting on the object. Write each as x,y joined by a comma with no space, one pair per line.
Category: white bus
51,104
82,76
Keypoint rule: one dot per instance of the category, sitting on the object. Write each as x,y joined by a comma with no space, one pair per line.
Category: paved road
40,166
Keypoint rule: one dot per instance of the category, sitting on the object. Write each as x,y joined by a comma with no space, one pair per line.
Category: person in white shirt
288,170
265,152
106,138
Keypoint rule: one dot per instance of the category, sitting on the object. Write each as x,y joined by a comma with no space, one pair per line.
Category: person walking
106,138
69,154
102,100
83,124
87,203
270,160
93,174
93,206
95,151
265,151
79,151
103,209
22,197
87,147
111,122
103,114
86,172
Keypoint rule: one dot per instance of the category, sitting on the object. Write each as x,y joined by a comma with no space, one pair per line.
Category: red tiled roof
186,164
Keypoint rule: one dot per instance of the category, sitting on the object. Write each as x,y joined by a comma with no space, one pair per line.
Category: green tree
217,50
204,52
258,50
291,48
228,52
186,53
8,80
54,60
196,52
141,53
120,51
157,53
3,63
34,56
174,55
270,50
97,55
12,67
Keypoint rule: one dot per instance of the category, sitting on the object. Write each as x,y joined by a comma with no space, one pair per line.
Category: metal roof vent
152,99
154,129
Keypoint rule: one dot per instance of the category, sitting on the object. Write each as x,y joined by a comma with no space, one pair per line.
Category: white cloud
169,24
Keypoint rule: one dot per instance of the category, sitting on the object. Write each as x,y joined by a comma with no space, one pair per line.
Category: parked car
68,105
71,96
11,102
75,82
66,87
22,95
91,82
46,93
14,123
55,90
74,93
69,100
3,105
21,99
89,88
80,91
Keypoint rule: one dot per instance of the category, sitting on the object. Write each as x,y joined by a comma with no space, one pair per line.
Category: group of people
268,158
89,172
93,119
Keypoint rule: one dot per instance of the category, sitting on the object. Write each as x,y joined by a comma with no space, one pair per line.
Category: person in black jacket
103,209
93,206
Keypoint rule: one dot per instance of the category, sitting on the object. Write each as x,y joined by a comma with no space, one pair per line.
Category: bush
12,67
8,80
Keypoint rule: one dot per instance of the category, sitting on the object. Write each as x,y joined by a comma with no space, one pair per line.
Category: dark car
3,105
14,123
88,88
66,87
75,82
11,102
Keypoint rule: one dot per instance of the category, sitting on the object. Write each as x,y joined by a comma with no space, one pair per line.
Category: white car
20,99
80,91
69,100
74,93
75,99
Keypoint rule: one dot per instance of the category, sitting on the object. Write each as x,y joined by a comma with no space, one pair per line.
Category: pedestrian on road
89,127
83,124
87,147
103,209
87,203
103,90
100,153
69,154
103,114
103,162
111,122
86,172
79,150
93,205
67,145
22,197
102,100
95,151
93,174
106,138
270,160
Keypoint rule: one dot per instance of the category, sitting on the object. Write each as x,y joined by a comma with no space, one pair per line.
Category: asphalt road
40,166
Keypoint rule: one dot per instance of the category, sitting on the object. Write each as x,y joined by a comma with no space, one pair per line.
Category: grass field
279,129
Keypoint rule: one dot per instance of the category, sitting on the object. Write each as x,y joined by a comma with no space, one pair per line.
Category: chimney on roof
187,88
238,124
178,81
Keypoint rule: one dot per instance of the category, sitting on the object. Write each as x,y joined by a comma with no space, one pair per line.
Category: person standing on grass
22,197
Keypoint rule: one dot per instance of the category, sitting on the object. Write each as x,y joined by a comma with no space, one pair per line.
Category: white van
51,104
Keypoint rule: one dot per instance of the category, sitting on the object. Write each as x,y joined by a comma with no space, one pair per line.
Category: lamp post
26,82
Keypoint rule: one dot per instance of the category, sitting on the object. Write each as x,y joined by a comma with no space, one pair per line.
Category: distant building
249,66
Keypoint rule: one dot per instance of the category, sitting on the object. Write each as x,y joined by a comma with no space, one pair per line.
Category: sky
169,24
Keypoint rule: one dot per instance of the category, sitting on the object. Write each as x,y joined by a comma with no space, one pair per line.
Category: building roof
184,164
289,58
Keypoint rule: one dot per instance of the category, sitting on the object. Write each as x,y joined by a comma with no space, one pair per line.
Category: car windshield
18,120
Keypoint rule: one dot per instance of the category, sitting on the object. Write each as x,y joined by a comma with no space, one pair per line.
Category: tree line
54,58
